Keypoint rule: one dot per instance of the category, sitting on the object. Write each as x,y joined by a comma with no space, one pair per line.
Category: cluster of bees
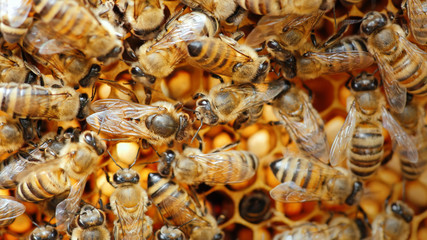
56,54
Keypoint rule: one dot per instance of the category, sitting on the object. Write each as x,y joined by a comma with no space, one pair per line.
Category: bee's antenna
201,124
136,157
114,160
188,109
157,153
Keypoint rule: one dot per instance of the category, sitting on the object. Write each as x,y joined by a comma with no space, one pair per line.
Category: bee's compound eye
89,138
203,102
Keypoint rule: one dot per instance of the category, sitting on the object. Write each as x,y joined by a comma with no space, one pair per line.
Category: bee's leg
107,177
217,77
313,39
27,127
347,83
196,199
310,92
228,146
148,95
259,49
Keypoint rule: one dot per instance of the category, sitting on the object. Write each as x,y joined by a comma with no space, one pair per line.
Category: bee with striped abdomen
37,102
67,64
223,10
412,121
224,56
360,140
416,11
159,57
403,65
76,161
347,54
302,121
73,24
218,167
242,102
305,180
284,7
178,209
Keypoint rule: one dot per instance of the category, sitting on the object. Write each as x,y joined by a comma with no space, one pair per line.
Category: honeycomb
246,209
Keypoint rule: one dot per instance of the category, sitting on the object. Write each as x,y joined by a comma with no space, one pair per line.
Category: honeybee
14,69
91,224
302,121
158,58
217,167
178,209
403,65
416,11
9,210
11,135
224,56
67,63
37,102
15,18
412,121
76,161
283,35
46,232
240,102
347,54
342,228
157,123
305,180
223,10
12,166
129,203
394,223
169,233
85,32
284,7
146,17
360,140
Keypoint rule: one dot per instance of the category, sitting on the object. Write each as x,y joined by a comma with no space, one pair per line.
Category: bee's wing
112,123
181,216
396,95
224,165
131,223
257,94
417,15
308,133
16,11
10,172
345,61
34,169
6,62
125,109
399,136
234,44
10,208
66,210
289,192
265,28
339,147
47,41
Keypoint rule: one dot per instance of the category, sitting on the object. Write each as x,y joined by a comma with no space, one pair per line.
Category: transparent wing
183,29
126,109
174,216
225,166
417,15
10,209
9,173
289,192
47,41
112,123
16,11
234,44
399,136
308,134
66,210
396,95
274,25
131,223
340,145
343,61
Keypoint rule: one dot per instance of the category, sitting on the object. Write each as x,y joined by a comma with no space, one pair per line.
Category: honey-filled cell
241,210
